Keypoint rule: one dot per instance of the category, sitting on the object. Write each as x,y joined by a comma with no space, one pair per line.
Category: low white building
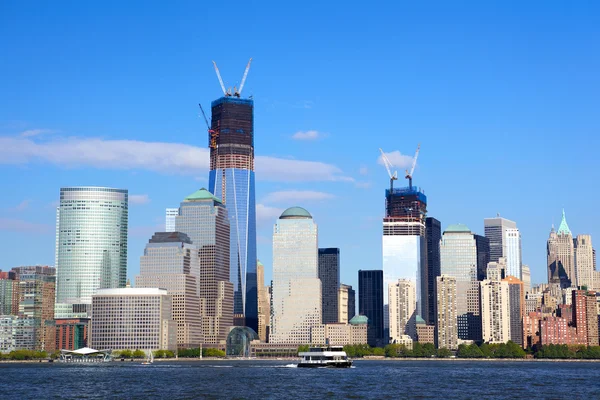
338,334
133,318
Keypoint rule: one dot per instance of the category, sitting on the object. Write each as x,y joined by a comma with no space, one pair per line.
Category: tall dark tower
370,304
434,235
231,178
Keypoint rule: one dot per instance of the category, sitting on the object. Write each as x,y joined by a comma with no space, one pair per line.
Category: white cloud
306,135
153,156
36,132
139,199
362,185
296,196
399,160
21,206
363,170
17,225
266,215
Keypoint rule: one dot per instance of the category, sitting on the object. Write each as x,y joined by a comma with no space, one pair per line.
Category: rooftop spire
564,227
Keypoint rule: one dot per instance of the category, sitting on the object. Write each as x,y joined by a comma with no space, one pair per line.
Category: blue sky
502,96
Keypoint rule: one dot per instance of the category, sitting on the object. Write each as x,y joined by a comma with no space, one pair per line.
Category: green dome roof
359,320
458,228
202,194
419,320
295,212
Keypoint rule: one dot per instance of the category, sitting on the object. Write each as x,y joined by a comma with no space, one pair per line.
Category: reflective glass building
231,178
91,246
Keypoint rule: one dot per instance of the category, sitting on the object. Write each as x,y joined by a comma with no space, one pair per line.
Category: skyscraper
402,303
512,237
231,179
170,215
446,323
482,244
346,304
204,219
434,235
264,303
404,241
584,261
296,284
91,246
458,257
329,274
370,304
561,256
495,311
495,231
525,272
171,262
516,292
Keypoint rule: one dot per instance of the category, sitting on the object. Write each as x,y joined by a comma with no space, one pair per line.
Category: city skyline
55,147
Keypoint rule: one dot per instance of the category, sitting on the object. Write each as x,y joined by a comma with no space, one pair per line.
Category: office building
495,306
346,303
296,284
516,292
425,333
339,334
403,310
370,304
585,316
458,257
584,262
561,256
329,274
9,299
133,318
433,231
170,216
17,333
482,245
404,242
36,292
67,334
513,253
231,178
495,230
264,303
171,262
526,274
91,246
446,324
204,219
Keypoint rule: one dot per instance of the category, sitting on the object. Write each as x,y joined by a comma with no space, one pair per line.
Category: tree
378,351
303,348
126,354
139,354
428,350
169,354
443,353
212,353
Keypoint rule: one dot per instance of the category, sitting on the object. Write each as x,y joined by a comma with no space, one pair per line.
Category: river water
433,379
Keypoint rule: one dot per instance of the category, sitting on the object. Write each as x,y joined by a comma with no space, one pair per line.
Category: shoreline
296,359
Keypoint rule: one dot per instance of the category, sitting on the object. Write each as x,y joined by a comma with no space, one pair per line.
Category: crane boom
220,79
239,92
388,165
414,164
204,115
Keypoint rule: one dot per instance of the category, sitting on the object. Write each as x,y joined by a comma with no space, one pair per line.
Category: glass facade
91,246
512,237
296,284
434,235
231,178
170,215
370,304
329,274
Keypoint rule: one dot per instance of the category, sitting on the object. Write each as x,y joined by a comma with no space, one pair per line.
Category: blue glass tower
231,142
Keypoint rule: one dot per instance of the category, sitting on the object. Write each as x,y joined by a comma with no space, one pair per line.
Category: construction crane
412,169
225,92
238,93
213,133
389,166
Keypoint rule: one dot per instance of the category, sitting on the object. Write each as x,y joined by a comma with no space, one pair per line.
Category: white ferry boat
324,357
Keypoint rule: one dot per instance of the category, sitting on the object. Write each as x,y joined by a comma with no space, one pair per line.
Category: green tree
169,354
213,353
159,354
126,354
139,354
378,351
443,353
428,350
303,348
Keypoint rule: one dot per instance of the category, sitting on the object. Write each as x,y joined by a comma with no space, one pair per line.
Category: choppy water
281,380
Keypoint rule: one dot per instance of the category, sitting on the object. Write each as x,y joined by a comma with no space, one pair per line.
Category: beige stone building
338,334
584,262
264,303
561,256
447,327
495,311
402,299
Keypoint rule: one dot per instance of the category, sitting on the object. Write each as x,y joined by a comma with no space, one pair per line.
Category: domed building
238,341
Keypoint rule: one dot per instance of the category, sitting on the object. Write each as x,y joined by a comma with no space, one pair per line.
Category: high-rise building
346,304
584,262
516,292
446,324
171,262
495,231
482,244
351,302
513,252
561,256
433,231
9,299
329,274
264,303
403,310
204,219
36,292
296,284
404,242
526,274
370,304
91,246
17,333
133,318
231,179
495,310
170,216
585,316
458,253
